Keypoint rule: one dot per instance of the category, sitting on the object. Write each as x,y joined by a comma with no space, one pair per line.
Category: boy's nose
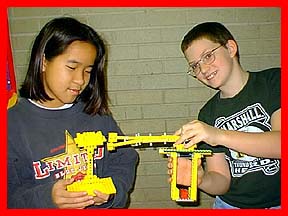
204,68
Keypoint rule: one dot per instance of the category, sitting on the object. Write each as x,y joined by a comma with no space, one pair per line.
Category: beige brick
133,36
113,20
164,111
36,11
123,83
74,10
22,42
167,50
270,31
122,52
148,156
172,34
159,200
112,98
206,200
143,126
251,15
176,123
21,58
251,62
193,82
134,67
160,17
245,32
269,46
152,168
248,47
157,194
107,10
197,15
139,97
81,18
194,109
154,205
28,25
255,63
126,112
20,73
151,181
186,95
162,81
176,65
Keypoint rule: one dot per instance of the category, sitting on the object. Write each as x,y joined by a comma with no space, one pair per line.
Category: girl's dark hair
212,31
52,40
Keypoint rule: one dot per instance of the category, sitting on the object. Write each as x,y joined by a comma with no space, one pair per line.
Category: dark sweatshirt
35,133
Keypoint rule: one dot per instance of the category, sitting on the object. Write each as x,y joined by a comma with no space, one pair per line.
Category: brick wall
148,87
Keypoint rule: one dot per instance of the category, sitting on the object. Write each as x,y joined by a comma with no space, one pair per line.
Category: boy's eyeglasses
208,58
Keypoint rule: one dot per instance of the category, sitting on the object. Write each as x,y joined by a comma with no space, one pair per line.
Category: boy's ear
232,47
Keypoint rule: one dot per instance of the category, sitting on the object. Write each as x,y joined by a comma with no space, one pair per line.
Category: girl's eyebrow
76,62
72,61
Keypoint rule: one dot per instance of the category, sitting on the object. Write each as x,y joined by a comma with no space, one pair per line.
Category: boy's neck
238,82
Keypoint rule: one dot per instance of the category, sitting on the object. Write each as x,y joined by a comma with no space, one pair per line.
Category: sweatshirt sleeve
122,169
22,189
120,165
23,192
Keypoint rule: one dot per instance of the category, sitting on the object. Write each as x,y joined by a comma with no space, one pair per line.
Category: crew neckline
240,93
65,106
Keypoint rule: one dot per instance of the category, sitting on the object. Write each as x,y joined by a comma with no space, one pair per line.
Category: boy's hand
184,171
195,132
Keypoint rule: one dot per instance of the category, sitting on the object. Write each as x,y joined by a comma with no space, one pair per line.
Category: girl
64,89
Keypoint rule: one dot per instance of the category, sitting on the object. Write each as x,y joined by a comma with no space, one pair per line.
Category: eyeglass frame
201,60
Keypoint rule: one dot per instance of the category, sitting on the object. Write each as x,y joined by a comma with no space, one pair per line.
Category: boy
241,123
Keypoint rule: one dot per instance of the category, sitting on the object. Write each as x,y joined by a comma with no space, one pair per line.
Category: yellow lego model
175,151
91,140
176,193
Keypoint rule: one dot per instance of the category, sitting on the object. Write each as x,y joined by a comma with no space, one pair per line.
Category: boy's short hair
213,31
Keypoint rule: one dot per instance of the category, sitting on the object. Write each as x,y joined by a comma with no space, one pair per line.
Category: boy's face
67,75
211,62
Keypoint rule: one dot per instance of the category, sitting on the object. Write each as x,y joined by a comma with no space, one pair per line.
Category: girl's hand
68,199
101,198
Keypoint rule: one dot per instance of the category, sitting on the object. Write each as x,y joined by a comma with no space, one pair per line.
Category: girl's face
67,75
216,73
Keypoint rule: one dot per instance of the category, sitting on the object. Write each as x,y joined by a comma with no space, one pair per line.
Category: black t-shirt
255,181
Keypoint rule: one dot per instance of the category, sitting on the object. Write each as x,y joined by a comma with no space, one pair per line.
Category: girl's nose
79,77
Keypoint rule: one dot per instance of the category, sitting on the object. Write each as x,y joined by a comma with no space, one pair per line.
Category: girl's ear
232,47
44,63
